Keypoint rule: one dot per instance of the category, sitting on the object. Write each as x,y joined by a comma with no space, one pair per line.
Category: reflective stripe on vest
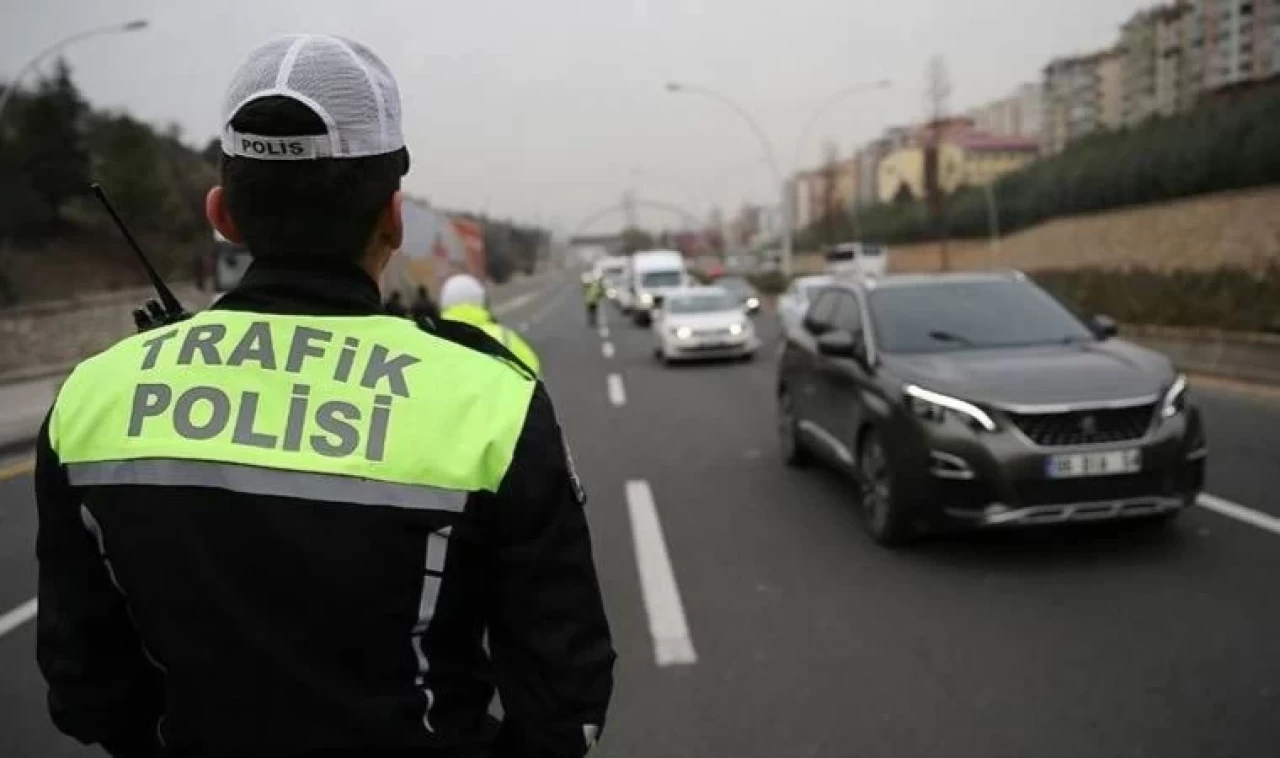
362,410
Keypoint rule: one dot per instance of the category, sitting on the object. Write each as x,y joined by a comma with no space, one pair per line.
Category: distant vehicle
702,322
857,258
653,274
611,272
794,302
979,400
230,261
739,287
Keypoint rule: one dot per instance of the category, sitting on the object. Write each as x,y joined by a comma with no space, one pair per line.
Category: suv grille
1085,427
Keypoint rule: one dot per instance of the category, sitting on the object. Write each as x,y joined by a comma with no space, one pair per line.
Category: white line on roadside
604,332
617,393
607,349
17,617
1239,513
672,644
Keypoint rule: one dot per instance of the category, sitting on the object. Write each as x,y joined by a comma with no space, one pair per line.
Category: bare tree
830,194
937,106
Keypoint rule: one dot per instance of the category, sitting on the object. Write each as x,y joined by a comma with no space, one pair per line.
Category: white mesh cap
343,82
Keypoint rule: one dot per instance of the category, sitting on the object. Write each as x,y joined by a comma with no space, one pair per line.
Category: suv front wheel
882,508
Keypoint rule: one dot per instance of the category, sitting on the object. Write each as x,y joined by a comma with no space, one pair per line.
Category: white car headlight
1175,399
682,332
736,329
646,298
753,302
934,406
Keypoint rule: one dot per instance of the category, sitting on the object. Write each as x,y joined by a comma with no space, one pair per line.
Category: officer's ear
215,209
390,230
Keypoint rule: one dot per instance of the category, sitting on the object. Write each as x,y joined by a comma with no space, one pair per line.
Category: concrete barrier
1243,356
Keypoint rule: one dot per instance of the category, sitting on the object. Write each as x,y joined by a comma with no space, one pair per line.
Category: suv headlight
682,332
736,329
934,406
646,298
1175,399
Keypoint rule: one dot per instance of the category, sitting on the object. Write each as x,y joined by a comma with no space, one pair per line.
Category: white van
857,258
653,274
611,273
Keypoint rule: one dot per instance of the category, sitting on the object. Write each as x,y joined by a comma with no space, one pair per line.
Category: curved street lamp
770,155
821,110
130,26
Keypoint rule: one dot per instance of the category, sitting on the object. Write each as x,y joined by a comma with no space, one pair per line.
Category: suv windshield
661,279
945,316
703,302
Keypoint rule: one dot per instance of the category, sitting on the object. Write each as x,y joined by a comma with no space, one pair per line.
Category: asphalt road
787,633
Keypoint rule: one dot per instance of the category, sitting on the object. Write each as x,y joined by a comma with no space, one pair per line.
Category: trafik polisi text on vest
204,412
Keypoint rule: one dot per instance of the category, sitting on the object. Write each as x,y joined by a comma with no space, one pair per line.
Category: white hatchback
702,322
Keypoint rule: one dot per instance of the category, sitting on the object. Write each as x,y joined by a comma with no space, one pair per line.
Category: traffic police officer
285,526
463,298
592,294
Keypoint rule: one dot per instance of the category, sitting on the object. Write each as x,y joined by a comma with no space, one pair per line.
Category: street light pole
131,26
770,155
817,114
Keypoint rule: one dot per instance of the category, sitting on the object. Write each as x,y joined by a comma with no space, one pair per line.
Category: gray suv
980,400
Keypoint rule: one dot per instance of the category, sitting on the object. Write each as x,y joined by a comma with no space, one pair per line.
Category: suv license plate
1093,464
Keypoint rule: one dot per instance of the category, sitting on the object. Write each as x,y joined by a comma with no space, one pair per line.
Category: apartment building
1083,94
1018,115
1232,42
1154,57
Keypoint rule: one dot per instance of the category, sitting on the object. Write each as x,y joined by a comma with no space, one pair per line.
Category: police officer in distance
463,298
285,526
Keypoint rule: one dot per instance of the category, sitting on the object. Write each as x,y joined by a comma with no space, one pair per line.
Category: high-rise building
1154,55
1082,95
1230,42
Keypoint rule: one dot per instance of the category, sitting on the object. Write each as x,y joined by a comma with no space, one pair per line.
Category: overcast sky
550,108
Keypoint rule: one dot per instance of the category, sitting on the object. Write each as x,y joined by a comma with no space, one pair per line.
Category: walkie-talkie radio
167,310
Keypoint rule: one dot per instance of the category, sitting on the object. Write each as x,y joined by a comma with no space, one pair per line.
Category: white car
702,322
794,303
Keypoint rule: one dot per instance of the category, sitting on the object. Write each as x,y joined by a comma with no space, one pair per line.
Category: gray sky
551,108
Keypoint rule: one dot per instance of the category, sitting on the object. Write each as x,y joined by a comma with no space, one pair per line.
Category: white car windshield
703,302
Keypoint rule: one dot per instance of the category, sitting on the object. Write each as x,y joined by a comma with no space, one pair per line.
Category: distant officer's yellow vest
481,318
365,410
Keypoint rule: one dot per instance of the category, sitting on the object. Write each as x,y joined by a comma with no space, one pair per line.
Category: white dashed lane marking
617,392
672,644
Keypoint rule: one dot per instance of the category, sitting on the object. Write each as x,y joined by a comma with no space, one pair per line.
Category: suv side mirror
837,344
1104,326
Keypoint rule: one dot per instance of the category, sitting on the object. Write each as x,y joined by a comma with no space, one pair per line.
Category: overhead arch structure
658,205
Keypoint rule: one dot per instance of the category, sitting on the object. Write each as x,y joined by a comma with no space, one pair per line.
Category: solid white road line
1239,513
604,332
672,644
17,617
607,349
617,393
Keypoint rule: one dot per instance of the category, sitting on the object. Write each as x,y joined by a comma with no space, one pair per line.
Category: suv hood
1085,372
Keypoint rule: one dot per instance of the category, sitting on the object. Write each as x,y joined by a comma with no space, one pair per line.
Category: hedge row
1230,297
